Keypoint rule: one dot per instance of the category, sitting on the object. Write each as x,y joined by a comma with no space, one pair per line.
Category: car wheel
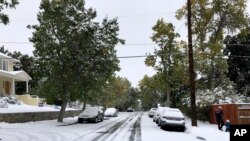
182,129
96,120
80,120
162,127
159,123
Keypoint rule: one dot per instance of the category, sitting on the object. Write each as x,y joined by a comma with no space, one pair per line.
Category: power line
14,42
129,44
119,16
141,56
153,55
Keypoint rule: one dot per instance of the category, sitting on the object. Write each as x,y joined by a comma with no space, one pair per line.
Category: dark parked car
130,110
91,114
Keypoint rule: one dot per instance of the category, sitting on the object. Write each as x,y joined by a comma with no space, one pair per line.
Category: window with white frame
5,65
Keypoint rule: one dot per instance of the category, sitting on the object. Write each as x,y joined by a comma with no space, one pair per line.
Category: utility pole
191,67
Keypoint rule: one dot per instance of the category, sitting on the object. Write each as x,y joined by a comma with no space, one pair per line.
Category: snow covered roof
18,75
3,56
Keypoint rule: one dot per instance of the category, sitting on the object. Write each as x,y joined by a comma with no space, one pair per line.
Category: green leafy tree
4,19
114,93
171,56
210,21
75,54
151,91
132,99
237,47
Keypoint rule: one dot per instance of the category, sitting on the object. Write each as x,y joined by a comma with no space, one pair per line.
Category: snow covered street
134,126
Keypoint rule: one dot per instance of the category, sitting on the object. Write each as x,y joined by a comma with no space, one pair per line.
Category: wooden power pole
191,67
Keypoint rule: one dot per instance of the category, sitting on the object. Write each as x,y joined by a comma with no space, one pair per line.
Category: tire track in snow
112,130
123,132
136,130
13,134
19,136
103,126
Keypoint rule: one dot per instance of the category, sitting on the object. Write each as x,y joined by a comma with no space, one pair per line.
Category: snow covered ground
204,131
134,126
28,108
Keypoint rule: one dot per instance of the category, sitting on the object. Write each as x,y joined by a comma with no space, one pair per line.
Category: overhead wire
143,44
128,44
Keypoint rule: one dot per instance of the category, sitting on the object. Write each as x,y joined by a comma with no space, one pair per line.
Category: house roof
4,56
17,75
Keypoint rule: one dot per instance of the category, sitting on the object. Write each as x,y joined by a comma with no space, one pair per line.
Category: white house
8,77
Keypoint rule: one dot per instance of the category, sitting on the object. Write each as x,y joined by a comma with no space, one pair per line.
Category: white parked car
91,114
172,117
152,112
111,112
157,114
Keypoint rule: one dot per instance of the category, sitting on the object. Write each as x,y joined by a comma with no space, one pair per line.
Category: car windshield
173,113
90,111
110,110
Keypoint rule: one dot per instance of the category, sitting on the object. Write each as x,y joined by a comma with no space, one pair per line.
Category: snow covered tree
75,54
211,20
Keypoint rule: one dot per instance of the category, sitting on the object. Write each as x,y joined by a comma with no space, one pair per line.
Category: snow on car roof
90,110
173,113
110,109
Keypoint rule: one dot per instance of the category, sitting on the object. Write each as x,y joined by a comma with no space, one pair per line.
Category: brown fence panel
244,113
230,113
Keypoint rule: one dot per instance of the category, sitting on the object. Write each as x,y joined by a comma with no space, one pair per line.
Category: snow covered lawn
28,108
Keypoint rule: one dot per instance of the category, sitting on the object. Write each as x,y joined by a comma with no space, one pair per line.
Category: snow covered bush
217,96
75,104
10,100
3,104
205,98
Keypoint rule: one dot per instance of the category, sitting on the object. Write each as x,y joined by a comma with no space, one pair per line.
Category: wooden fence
236,113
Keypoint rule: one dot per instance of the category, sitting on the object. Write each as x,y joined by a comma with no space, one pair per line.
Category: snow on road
126,127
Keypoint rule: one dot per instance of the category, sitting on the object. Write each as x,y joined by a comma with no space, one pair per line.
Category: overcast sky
136,19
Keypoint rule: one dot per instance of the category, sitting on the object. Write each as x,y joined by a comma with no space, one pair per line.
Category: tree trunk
62,111
84,104
168,99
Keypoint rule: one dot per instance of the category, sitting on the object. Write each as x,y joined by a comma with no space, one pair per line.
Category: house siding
10,66
1,87
1,64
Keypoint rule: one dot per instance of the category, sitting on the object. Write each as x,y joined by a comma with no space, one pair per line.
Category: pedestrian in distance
227,125
219,117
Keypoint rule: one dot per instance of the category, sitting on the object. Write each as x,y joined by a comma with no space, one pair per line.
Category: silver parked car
157,114
152,112
172,117
111,112
91,114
